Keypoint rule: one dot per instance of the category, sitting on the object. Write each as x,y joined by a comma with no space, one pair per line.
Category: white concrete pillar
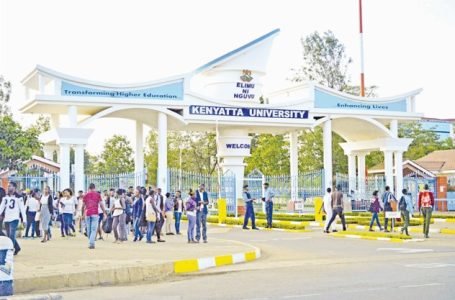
352,169
327,141
398,173
72,116
79,172
48,152
394,128
388,167
139,158
361,176
41,84
294,162
162,152
64,166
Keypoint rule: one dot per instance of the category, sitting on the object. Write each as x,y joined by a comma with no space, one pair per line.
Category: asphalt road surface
310,266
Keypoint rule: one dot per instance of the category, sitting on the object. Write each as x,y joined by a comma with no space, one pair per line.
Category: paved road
311,266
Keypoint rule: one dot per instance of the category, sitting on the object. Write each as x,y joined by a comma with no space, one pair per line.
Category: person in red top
90,210
426,204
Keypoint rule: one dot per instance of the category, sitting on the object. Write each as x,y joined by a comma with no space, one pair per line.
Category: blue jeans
249,214
6,288
191,224
67,222
11,228
137,230
91,223
30,223
269,212
201,219
177,217
375,217
150,229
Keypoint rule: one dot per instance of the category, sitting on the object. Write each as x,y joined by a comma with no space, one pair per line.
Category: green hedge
287,217
366,221
263,223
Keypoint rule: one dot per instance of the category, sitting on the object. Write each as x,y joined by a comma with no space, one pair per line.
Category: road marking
405,250
421,285
430,265
281,239
300,296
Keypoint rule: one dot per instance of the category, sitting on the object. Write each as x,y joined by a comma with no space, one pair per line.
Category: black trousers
158,226
337,211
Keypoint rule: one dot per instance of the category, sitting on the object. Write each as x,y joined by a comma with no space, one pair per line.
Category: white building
222,96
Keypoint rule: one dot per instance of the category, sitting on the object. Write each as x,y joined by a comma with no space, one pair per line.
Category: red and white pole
362,71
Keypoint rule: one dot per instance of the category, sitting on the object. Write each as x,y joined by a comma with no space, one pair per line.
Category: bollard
6,266
222,211
317,209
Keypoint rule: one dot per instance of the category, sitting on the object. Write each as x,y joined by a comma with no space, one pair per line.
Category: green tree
324,61
269,154
5,92
311,151
423,141
116,157
16,144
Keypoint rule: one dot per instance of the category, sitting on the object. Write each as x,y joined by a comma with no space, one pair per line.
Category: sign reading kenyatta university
168,91
253,112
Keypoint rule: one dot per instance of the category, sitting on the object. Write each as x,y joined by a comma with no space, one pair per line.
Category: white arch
118,108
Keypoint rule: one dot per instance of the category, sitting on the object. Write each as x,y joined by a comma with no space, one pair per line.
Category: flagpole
362,70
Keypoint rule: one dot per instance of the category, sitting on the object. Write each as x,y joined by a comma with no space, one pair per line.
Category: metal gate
415,184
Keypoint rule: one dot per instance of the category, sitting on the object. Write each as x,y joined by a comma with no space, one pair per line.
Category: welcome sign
170,91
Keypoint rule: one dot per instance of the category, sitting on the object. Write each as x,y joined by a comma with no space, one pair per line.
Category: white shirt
13,207
179,205
68,207
32,204
118,209
327,202
6,273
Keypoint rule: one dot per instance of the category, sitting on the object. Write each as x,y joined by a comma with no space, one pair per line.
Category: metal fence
31,182
123,180
217,185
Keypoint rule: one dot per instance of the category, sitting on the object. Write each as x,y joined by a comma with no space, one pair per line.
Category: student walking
190,208
249,214
268,198
90,208
178,210
337,206
31,208
169,212
406,209
202,200
375,208
327,206
160,218
426,204
13,207
46,211
67,206
119,215
138,203
387,199
150,213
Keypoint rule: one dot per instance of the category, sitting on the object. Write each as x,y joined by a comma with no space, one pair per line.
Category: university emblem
246,76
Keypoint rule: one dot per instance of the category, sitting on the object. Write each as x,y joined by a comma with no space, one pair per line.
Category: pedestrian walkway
68,263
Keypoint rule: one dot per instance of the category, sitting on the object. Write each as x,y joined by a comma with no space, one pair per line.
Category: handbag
150,216
37,216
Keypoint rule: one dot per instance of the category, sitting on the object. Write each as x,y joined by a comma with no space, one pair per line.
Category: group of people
333,206
141,211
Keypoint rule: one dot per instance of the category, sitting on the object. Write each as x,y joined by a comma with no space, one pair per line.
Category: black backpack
402,204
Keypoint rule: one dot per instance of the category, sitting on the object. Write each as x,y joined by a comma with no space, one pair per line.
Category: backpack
107,224
402,204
